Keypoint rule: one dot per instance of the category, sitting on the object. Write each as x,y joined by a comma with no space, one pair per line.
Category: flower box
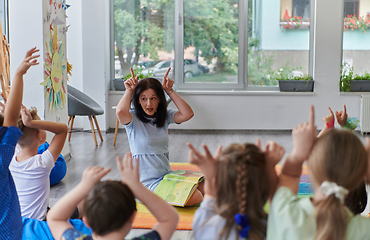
360,86
118,84
296,85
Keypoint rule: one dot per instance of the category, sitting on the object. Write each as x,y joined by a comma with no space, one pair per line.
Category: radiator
365,114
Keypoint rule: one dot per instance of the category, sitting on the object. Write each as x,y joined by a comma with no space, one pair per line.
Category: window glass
143,35
277,49
211,41
356,39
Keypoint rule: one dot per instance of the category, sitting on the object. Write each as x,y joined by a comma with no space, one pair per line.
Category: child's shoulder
10,135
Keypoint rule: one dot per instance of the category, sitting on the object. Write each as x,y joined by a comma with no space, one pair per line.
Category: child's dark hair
109,206
242,187
356,200
161,114
29,134
340,157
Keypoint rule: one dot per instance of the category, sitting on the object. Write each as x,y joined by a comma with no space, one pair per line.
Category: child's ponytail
331,219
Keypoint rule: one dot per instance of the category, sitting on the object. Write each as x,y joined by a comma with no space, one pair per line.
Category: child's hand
342,116
92,175
130,84
303,138
26,116
28,61
129,173
274,152
167,82
206,162
329,120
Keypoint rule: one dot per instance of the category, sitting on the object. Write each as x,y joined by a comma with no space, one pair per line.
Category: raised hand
26,116
129,173
167,82
206,162
28,61
342,116
274,152
329,120
92,175
131,83
303,138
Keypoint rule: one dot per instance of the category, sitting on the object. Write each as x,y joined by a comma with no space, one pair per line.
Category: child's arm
11,112
123,107
184,112
207,164
274,153
328,122
165,214
304,136
342,116
59,129
59,214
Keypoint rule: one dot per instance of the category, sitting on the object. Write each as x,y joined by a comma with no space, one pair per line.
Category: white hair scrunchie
329,188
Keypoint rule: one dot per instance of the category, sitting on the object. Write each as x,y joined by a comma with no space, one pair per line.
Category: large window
356,37
221,44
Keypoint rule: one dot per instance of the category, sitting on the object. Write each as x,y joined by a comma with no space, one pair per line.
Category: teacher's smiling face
149,101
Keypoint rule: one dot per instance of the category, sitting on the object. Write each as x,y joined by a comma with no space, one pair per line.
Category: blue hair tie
243,222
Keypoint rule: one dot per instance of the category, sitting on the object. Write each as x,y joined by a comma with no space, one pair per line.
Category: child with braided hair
238,182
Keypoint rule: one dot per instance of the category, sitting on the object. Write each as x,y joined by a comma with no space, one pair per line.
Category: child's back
10,217
237,188
32,182
30,170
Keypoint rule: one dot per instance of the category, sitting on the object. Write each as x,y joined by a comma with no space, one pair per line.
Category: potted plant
118,83
353,83
299,83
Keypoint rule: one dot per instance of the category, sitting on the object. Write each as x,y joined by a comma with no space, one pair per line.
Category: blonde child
31,170
147,126
238,182
110,207
337,163
10,215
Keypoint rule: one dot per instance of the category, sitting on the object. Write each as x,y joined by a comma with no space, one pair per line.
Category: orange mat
145,220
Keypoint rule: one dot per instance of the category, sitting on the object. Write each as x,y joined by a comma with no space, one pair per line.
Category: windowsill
232,92
353,93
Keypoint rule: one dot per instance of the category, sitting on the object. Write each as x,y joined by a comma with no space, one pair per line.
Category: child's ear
85,221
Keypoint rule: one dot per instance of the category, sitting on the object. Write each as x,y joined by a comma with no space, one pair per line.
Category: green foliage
345,77
138,71
365,76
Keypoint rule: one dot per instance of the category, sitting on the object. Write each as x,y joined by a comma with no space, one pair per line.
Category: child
356,200
10,216
238,182
337,163
147,126
110,206
30,170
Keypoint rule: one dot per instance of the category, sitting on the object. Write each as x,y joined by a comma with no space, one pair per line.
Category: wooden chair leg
70,127
69,120
115,133
97,126
93,130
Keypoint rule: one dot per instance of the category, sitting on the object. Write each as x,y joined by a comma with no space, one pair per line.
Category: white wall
25,32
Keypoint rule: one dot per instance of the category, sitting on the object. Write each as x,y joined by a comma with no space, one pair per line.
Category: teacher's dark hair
161,114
